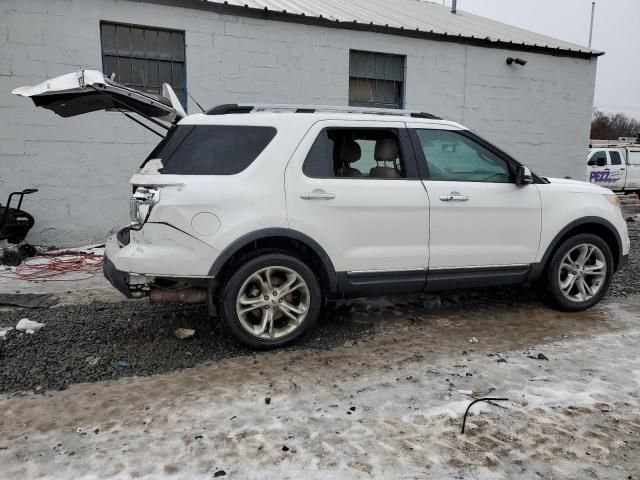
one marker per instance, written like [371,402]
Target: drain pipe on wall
[593,13]
[454,6]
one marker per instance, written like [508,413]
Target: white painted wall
[539,113]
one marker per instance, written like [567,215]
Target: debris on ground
[92,361]
[28,326]
[122,363]
[540,356]
[473,340]
[466,392]
[484,399]
[184,333]
[4,331]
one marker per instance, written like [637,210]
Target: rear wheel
[580,272]
[270,301]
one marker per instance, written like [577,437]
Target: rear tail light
[141,203]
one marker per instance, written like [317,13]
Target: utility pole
[593,12]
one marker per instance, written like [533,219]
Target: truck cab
[615,166]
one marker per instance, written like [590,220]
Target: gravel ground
[627,281]
[101,341]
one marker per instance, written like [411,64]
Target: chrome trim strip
[349,272]
[435,269]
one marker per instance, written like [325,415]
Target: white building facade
[539,112]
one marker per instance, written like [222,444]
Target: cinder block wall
[539,113]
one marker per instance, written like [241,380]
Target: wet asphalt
[102,341]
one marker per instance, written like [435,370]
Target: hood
[579,186]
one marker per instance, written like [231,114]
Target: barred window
[376,79]
[144,57]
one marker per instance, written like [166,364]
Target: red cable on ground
[57,264]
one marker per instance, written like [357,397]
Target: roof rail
[264,107]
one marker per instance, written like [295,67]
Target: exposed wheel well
[597,229]
[292,246]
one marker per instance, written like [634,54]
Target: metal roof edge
[222,7]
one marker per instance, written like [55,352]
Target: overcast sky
[616,31]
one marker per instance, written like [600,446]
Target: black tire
[228,296]
[553,290]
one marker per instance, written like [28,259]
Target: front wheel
[270,301]
[580,272]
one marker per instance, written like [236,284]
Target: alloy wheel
[582,273]
[273,302]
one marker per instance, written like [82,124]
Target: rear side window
[616,159]
[211,149]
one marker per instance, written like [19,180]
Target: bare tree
[611,126]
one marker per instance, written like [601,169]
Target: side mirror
[523,176]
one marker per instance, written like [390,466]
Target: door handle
[622,169]
[317,195]
[454,197]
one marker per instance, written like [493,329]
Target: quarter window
[211,149]
[376,79]
[616,159]
[454,157]
[144,58]
[355,153]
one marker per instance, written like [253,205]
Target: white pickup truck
[616,167]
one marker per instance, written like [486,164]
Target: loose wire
[56,265]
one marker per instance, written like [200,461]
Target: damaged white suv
[266,211]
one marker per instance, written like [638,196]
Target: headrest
[386,149]
[350,152]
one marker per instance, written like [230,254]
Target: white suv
[266,211]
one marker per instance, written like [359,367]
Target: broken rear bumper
[135,258]
[119,279]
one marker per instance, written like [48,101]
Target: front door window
[451,156]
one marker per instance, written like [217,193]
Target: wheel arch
[288,240]
[593,225]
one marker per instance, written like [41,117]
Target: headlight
[613,199]
[140,205]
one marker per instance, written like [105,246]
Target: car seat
[386,150]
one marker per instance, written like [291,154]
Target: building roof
[416,18]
